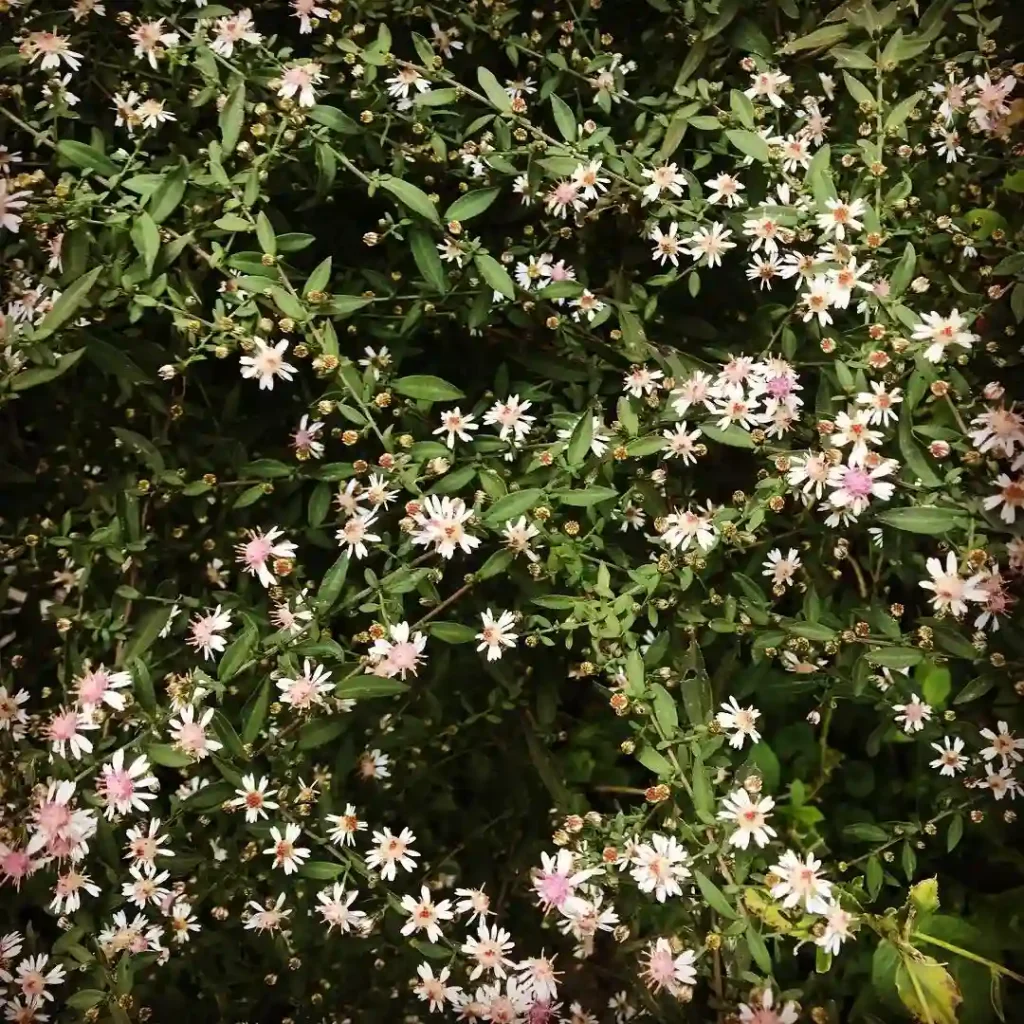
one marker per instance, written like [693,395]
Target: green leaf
[142,685]
[904,271]
[586,497]
[749,143]
[819,176]
[955,833]
[256,714]
[564,118]
[334,119]
[936,685]
[37,375]
[471,205]
[703,795]
[714,896]
[496,564]
[1015,181]
[141,447]
[895,657]
[427,388]
[579,442]
[146,239]
[331,584]
[758,950]
[654,761]
[85,998]
[974,689]
[733,436]
[237,653]
[493,90]
[512,506]
[71,299]
[494,274]
[901,111]
[168,756]
[927,989]
[928,519]
[827,35]
[665,709]
[913,456]
[267,469]
[230,118]
[146,634]
[232,222]
[430,950]
[743,108]
[87,157]
[451,632]
[319,279]
[364,687]
[415,198]
[860,92]
[265,234]
[324,870]
[165,198]
[320,732]
[866,832]
[428,262]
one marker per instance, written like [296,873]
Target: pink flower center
[554,889]
[64,726]
[257,551]
[120,786]
[93,686]
[857,482]
[52,817]
[192,737]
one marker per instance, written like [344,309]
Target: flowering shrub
[511,514]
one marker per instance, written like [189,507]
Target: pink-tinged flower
[182,922]
[151,41]
[399,655]
[496,634]
[254,797]
[679,443]
[853,487]
[137,937]
[1003,744]
[664,970]
[238,28]
[52,48]
[33,978]
[710,245]
[820,295]
[666,178]
[16,865]
[588,305]
[344,826]
[556,880]
[100,686]
[564,197]
[152,113]
[391,852]
[267,919]
[912,715]
[881,402]
[761,1010]
[354,534]
[988,105]
[145,845]
[841,217]
[951,758]
[334,905]
[741,722]
[205,629]
[124,790]
[145,889]
[765,85]
[372,764]
[64,733]
[305,10]
[683,528]
[942,331]
[435,990]
[998,430]
[490,950]
[284,851]
[10,203]
[266,363]
[299,80]
[749,818]
[667,244]
[800,883]
[59,828]
[442,522]
[725,188]
[951,591]
[641,381]
[305,439]
[511,417]
[660,866]
[13,717]
[189,733]
[765,231]
[455,424]
[695,390]
[425,915]
[67,892]
[259,549]
[307,689]
[1009,498]
[854,430]
[837,928]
